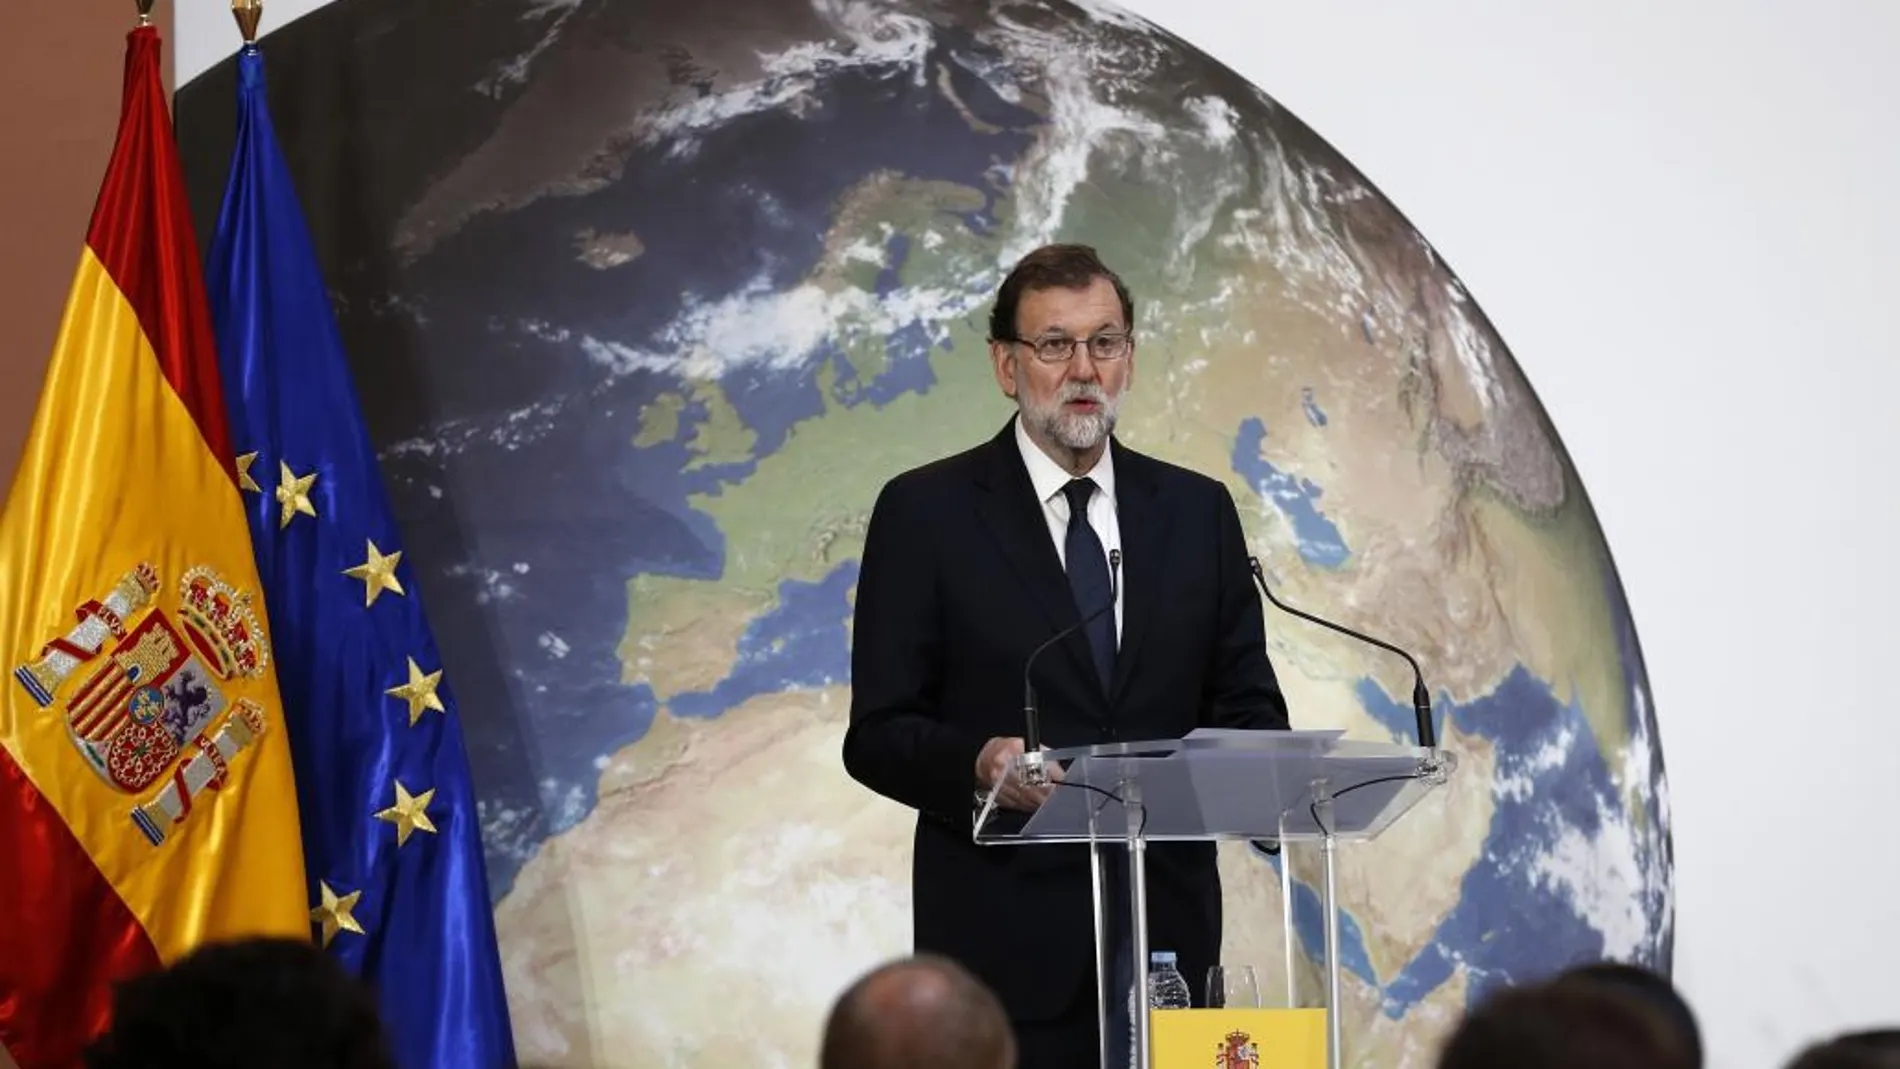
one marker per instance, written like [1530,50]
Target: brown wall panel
[61,69]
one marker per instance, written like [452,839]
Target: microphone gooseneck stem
[1421,697]
[1032,717]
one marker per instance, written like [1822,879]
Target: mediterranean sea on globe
[645,301]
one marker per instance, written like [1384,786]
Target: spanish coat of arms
[1237,1051]
[142,690]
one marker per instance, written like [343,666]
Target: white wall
[205,33]
[1684,219]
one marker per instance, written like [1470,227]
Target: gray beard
[1070,431]
[1077,432]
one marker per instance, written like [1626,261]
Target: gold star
[293,493]
[419,692]
[333,913]
[245,482]
[378,574]
[409,813]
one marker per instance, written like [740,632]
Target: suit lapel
[1014,517]
[1145,529]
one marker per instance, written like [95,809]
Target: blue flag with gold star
[392,844]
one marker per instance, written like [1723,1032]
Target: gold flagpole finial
[145,12]
[247,13]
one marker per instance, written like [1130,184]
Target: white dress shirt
[1049,478]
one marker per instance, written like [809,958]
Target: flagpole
[247,13]
[145,12]
[396,876]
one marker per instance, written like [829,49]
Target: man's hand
[996,764]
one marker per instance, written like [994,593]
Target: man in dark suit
[973,561]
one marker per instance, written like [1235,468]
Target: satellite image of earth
[645,301]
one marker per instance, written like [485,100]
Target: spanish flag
[146,794]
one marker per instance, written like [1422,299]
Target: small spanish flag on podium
[1238,1039]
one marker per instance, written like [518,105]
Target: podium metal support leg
[1291,941]
[1104,957]
[1138,894]
[1137,818]
[1327,848]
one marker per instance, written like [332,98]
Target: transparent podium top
[1221,784]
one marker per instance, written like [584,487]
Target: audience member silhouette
[1856,1050]
[276,1002]
[1565,1026]
[1652,989]
[922,1012]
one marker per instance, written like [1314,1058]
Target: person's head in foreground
[1856,1050]
[922,1012]
[277,1002]
[1651,988]
[1565,1026]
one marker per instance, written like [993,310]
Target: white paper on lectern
[1280,737]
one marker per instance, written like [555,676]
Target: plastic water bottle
[1167,988]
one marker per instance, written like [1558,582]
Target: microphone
[1035,773]
[1421,698]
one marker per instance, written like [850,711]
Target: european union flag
[392,844]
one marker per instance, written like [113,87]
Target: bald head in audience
[922,1012]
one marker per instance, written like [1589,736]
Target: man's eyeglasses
[1103,347]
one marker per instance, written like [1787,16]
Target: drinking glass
[1232,987]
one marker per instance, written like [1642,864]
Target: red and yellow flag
[146,799]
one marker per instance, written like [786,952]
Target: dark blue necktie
[1088,577]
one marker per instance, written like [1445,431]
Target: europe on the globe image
[660,295]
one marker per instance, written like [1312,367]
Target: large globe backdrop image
[646,301]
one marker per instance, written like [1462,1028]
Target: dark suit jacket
[960,581]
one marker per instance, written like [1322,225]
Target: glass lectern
[1286,787]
